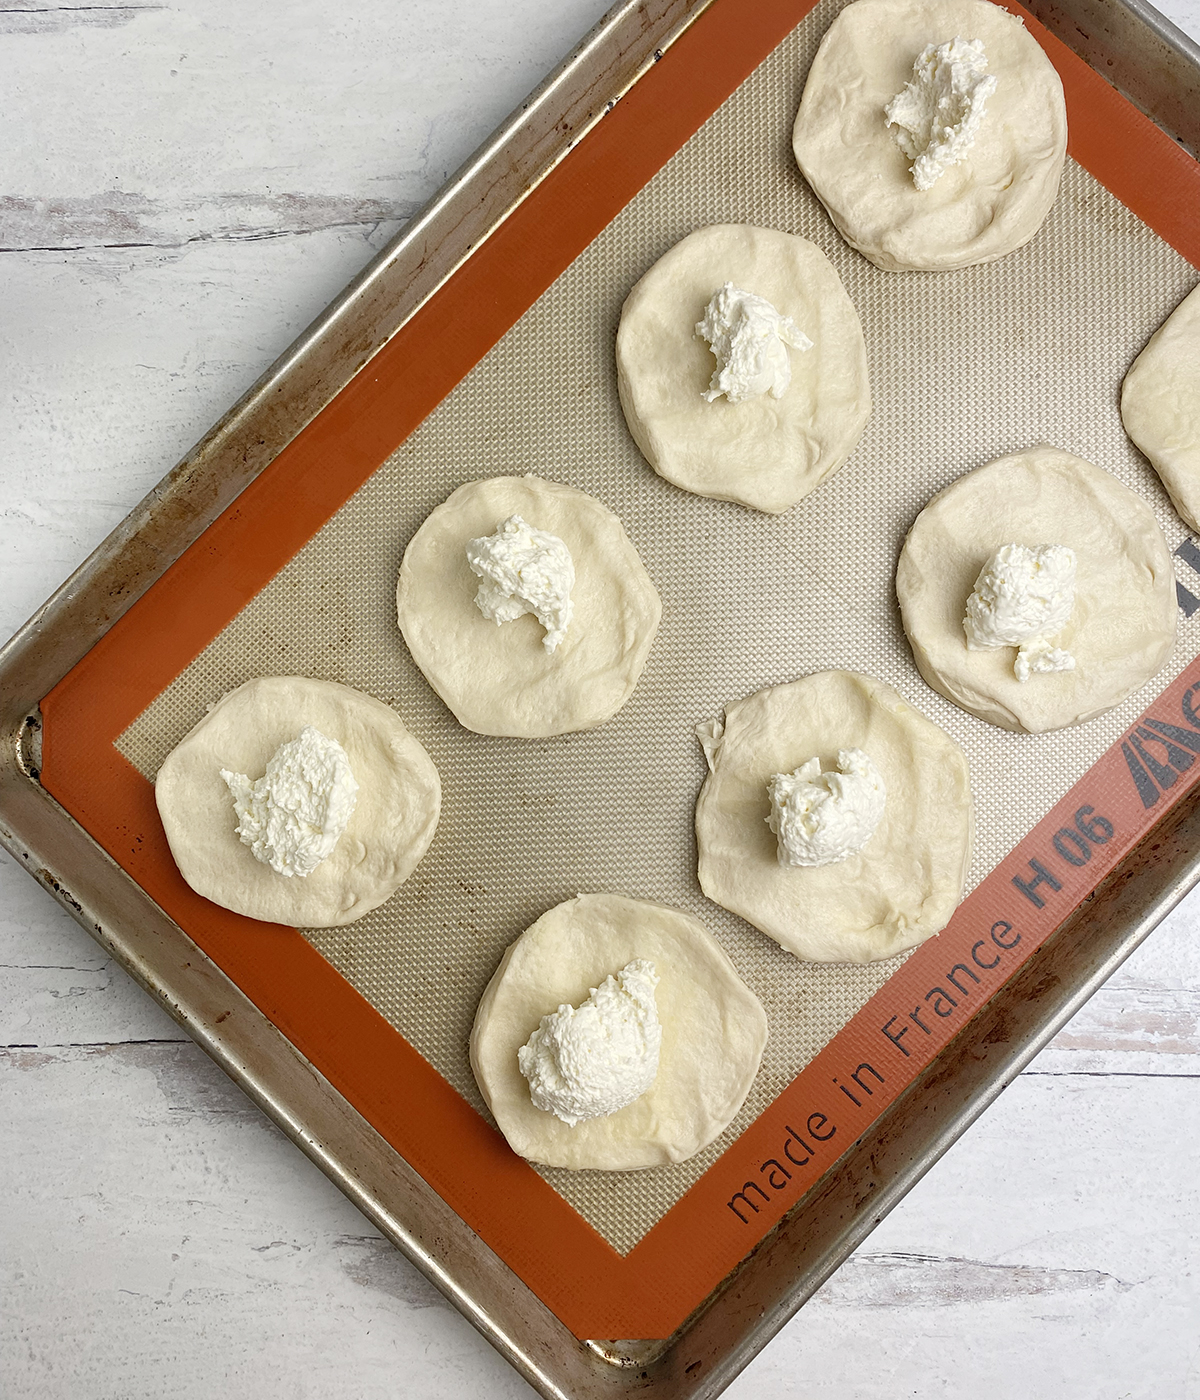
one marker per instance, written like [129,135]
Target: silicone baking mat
[965,366]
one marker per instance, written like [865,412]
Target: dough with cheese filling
[499,678]
[764,452]
[1122,626]
[395,815]
[906,881]
[713,1033]
[977,211]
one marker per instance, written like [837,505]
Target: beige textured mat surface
[965,366]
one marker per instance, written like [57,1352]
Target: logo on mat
[1157,753]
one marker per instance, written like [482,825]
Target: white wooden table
[185,185]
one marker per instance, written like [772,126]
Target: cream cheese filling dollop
[938,114]
[1022,598]
[590,1060]
[292,817]
[823,817]
[524,571]
[750,340]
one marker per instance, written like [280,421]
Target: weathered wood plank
[57,986]
[175,1241]
[117,360]
[1075,1191]
[119,220]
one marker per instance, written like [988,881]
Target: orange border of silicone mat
[591,1288]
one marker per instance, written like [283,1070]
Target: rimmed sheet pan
[340,1152]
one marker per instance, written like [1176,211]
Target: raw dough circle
[713,1033]
[498,678]
[396,814]
[1122,627]
[1160,405]
[903,885]
[977,211]
[765,452]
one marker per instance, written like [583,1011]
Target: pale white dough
[395,815]
[1122,626]
[907,880]
[501,679]
[713,1032]
[993,201]
[763,452]
[1160,405]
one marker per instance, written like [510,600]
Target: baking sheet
[965,366]
[317,1010]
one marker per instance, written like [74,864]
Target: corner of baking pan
[826,1225]
[323,359]
[1140,52]
[289,395]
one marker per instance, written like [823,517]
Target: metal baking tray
[1159,69]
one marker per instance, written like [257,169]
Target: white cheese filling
[292,817]
[1022,598]
[1038,657]
[524,571]
[823,817]
[938,115]
[591,1060]
[750,340]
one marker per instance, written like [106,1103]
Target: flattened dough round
[1122,627]
[765,452]
[396,814]
[1160,405]
[977,211]
[713,1033]
[499,679]
[903,885]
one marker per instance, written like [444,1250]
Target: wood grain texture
[185,186]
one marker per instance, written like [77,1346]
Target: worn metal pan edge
[1158,68]
[1141,53]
